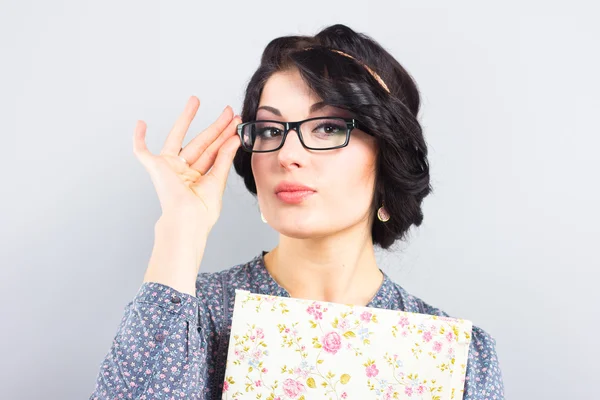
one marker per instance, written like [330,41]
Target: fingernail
[226,107]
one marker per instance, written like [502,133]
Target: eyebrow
[315,107]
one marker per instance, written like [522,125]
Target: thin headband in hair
[373,73]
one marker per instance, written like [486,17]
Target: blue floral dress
[170,345]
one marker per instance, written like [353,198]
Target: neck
[340,269]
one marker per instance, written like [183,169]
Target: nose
[292,152]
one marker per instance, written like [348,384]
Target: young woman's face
[342,179]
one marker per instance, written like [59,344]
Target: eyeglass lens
[322,133]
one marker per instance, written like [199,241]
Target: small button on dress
[159,337]
[176,299]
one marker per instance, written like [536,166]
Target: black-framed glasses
[319,133]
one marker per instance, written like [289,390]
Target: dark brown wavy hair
[402,169]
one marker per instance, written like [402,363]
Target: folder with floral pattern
[285,348]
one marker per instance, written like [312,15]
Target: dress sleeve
[159,350]
[484,378]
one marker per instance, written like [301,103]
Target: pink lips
[293,193]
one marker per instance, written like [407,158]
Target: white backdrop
[510,112]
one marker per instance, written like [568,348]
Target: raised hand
[190,181]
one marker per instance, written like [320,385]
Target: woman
[340,167]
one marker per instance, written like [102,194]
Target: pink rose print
[303,373]
[332,342]
[239,354]
[257,354]
[292,388]
[372,371]
[427,337]
[421,389]
[437,346]
[449,336]
[389,392]
[409,391]
[366,316]
[344,395]
[225,386]
[260,333]
[343,325]
[258,383]
[314,311]
[403,322]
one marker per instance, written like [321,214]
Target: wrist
[177,254]
[187,228]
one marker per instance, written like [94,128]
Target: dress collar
[266,284]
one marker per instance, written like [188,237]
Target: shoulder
[411,303]
[483,378]
[215,290]
[238,276]
[406,301]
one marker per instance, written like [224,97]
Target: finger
[175,139]
[139,142]
[190,176]
[220,169]
[207,158]
[194,149]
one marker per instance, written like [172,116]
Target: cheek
[359,165]
[258,166]
[262,170]
[351,177]
[363,178]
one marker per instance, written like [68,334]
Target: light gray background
[510,112]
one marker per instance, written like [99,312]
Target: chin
[297,225]
[297,234]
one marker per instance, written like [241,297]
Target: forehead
[287,92]
[287,85]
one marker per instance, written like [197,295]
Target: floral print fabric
[285,348]
[170,345]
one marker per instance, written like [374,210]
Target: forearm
[177,254]
[157,348]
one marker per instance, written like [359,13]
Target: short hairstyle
[402,169]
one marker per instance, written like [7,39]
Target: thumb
[139,143]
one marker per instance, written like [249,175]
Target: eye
[329,128]
[268,131]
